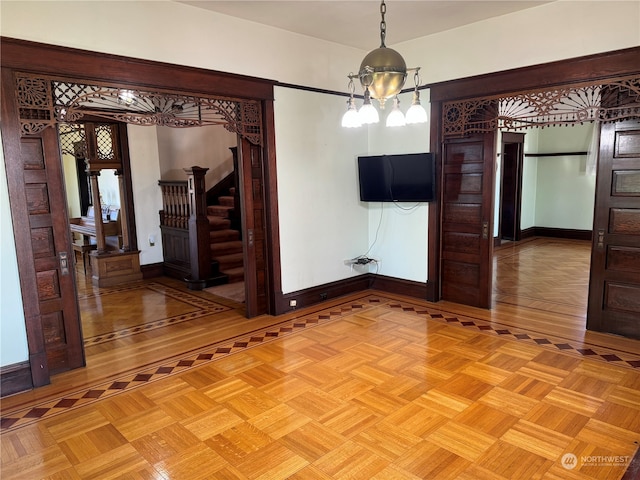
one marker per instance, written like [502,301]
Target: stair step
[219,210]
[227,201]
[224,235]
[218,223]
[232,191]
[227,262]
[235,274]
[225,248]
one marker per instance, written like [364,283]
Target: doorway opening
[545,194]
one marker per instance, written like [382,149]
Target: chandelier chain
[383,24]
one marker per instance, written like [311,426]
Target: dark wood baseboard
[15,378]
[321,293]
[152,270]
[399,286]
[556,233]
[313,295]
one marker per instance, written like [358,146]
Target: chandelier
[382,74]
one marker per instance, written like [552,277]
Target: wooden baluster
[185,207]
[174,213]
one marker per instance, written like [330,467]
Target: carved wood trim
[607,100]
[43,101]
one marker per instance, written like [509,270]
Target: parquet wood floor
[370,386]
[543,273]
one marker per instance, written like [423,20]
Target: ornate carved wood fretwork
[605,101]
[45,101]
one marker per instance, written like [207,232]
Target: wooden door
[43,243]
[467,211]
[253,228]
[614,284]
[511,185]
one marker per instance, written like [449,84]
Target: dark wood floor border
[568,233]
[15,378]
[314,295]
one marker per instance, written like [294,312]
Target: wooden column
[97,212]
[199,243]
[124,216]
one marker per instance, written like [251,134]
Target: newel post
[199,250]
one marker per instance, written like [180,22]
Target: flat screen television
[406,177]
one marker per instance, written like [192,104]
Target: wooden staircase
[225,241]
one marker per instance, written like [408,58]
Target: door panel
[254,234]
[467,205]
[43,245]
[50,243]
[614,286]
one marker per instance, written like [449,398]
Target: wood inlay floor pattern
[373,388]
[204,307]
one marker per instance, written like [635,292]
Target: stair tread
[234,270]
[229,256]
[219,210]
[224,235]
[226,201]
[218,223]
[225,248]
[230,243]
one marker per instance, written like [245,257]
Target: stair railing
[185,228]
[175,204]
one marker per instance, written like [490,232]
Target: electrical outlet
[293,303]
[323,296]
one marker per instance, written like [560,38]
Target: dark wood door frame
[619,63]
[512,156]
[123,72]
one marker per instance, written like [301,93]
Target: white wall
[565,192]
[553,31]
[176,33]
[206,147]
[70,171]
[109,187]
[147,198]
[400,243]
[529,180]
[13,336]
[557,191]
[322,221]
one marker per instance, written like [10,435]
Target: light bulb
[351,118]
[395,117]
[416,112]
[369,114]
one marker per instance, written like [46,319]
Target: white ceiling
[357,23]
